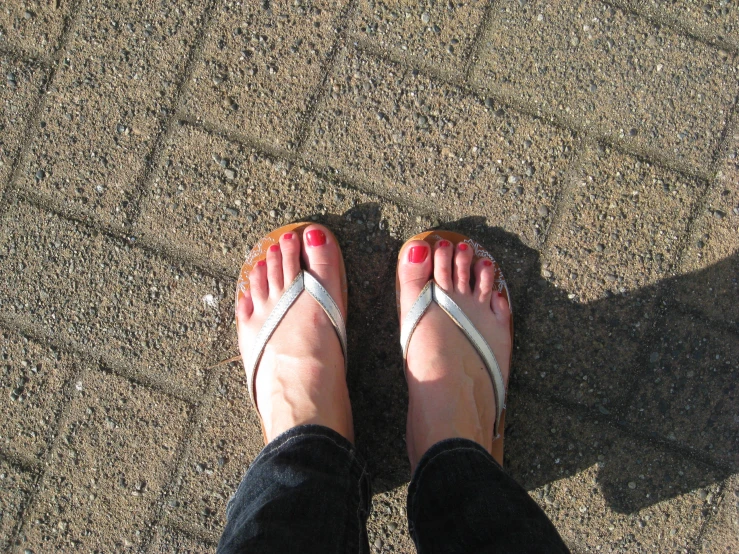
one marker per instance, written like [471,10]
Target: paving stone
[118,448]
[33,381]
[722,533]
[601,488]
[15,486]
[106,106]
[227,441]
[34,26]
[457,154]
[688,394]
[711,259]
[607,69]
[718,20]
[20,84]
[194,204]
[387,523]
[260,67]
[128,305]
[438,35]
[169,541]
[615,242]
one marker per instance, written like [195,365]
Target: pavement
[145,145]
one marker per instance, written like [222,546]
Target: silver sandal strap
[303,281]
[433,293]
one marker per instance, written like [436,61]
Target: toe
[443,254]
[462,263]
[321,256]
[290,248]
[244,307]
[484,279]
[258,282]
[500,306]
[414,271]
[274,269]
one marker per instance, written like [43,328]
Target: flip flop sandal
[433,293]
[303,282]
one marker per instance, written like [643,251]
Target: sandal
[303,282]
[432,293]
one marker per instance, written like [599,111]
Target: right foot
[301,375]
[449,388]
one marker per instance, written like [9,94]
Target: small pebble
[378,543]
[232,212]
[632,485]
[489,103]
[611,277]
[542,210]
[272,213]
[40,174]
[425,17]
[230,174]
[654,357]
[422,120]
[546,273]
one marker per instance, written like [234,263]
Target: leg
[306,491]
[460,500]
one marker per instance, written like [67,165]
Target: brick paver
[33,26]
[133,308]
[15,485]
[437,35]
[439,147]
[119,442]
[107,103]
[603,68]
[590,145]
[260,66]
[600,488]
[18,93]
[688,394]
[35,380]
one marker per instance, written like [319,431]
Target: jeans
[308,491]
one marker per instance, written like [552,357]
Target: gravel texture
[602,67]
[260,67]
[34,381]
[35,26]
[20,85]
[106,106]
[137,310]
[14,488]
[437,35]
[118,445]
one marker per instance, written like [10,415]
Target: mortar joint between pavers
[151,161]
[341,23]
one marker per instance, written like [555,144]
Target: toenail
[275,248]
[287,236]
[500,294]
[316,237]
[487,263]
[417,254]
[261,263]
[462,247]
[444,243]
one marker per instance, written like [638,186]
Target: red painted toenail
[462,246]
[261,263]
[487,263]
[316,238]
[417,254]
[287,236]
[500,294]
[444,243]
[274,248]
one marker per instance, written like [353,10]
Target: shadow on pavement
[583,377]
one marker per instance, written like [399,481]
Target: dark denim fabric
[308,491]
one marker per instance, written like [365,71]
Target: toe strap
[303,281]
[433,293]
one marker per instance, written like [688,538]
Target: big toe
[322,259]
[415,264]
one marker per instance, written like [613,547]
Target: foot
[449,388]
[301,377]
